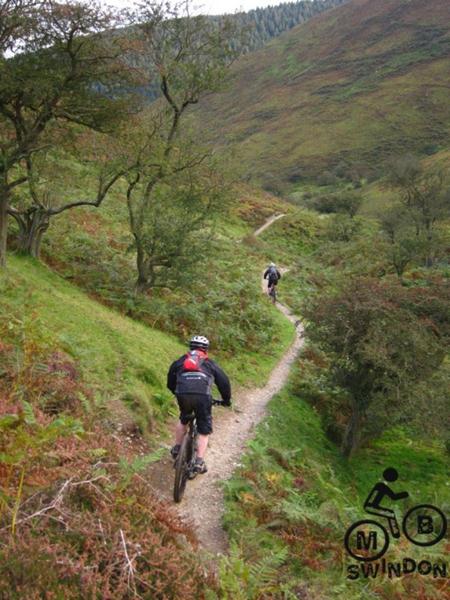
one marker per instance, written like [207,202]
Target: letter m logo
[366,541]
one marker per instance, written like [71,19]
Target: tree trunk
[37,224]
[32,226]
[142,278]
[3,226]
[429,258]
[352,433]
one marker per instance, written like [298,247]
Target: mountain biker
[272,274]
[191,383]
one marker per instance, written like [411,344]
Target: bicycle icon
[368,540]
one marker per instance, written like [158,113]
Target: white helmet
[199,342]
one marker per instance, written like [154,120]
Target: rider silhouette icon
[381,490]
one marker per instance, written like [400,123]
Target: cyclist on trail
[379,491]
[273,275]
[191,378]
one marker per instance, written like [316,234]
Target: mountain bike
[273,293]
[185,461]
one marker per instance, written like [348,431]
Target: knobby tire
[181,468]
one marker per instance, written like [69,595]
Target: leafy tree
[176,226]
[48,196]
[62,69]
[403,245]
[14,18]
[342,228]
[347,202]
[189,58]
[425,195]
[382,340]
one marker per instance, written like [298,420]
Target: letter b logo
[424,524]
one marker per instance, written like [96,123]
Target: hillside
[343,92]
[339,388]
[254,28]
[263,24]
[292,495]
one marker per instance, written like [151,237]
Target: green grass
[293,481]
[113,352]
[116,355]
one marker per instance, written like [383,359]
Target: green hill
[343,92]
[83,359]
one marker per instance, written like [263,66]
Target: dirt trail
[203,500]
[268,223]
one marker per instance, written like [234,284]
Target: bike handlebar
[219,402]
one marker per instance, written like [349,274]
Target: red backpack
[194,360]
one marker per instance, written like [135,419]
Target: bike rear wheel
[273,294]
[182,468]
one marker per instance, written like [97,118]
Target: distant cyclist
[273,275]
[191,378]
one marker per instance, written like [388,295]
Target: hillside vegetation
[342,92]
[83,407]
[124,231]
[263,24]
[291,500]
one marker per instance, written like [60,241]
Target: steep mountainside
[347,90]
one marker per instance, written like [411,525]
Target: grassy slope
[357,84]
[115,355]
[118,356]
[111,350]
[294,497]
[290,503]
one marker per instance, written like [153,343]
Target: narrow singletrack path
[268,223]
[203,503]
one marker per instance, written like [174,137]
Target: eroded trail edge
[203,503]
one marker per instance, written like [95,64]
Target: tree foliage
[382,340]
[188,58]
[347,202]
[63,69]
[425,202]
[176,226]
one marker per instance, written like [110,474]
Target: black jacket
[270,274]
[213,372]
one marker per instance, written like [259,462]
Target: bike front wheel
[182,468]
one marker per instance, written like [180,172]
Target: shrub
[382,340]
